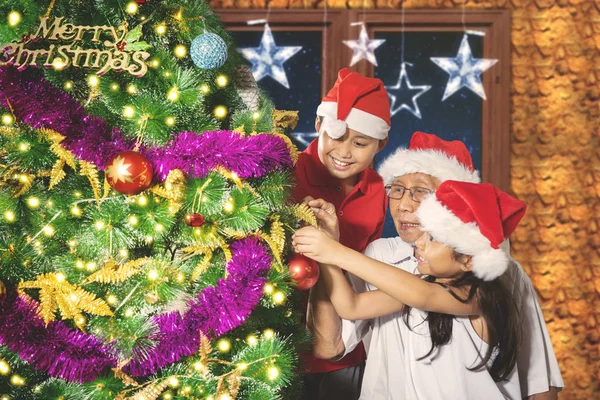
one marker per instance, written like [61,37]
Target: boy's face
[403,210]
[349,155]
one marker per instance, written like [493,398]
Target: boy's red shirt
[361,214]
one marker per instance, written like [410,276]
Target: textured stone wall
[555,163]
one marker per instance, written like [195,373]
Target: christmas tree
[144,192]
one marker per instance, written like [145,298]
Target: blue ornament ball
[209,51]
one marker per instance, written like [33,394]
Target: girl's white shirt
[394,370]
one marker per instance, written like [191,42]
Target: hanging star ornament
[363,47]
[397,93]
[267,59]
[464,70]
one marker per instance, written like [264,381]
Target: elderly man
[414,173]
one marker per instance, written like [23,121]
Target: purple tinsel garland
[79,357]
[56,349]
[39,104]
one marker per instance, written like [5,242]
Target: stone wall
[555,163]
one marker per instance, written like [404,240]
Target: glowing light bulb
[33,202]
[159,227]
[58,64]
[273,373]
[152,275]
[112,299]
[142,200]
[224,345]
[133,220]
[170,121]
[24,146]
[7,119]
[60,277]
[9,216]
[114,86]
[220,112]
[243,366]
[205,88]
[180,51]
[99,225]
[269,333]
[256,115]
[14,17]
[173,94]
[93,80]
[129,312]
[228,207]
[123,253]
[76,211]
[173,382]
[160,29]
[252,340]
[128,112]
[222,81]
[180,277]
[131,7]
[49,231]
[155,63]
[17,380]
[131,89]
[91,266]
[68,85]
[79,264]
[4,367]
[279,298]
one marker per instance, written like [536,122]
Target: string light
[132,7]
[49,231]
[155,63]
[112,299]
[224,345]
[114,86]
[173,94]
[152,274]
[205,88]
[167,396]
[24,146]
[160,29]
[225,396]
[16,380]
[9,216]
[76,211]
[222,81]
[58,63]
[79,264]
[91,266]
[173,382]
[129,313]
[220,112]
[268,289]
[269,333]
[255,115]
[4,367]
[7,119]
[180,277]
[180,51]
[68,85]
[14,17]
[242,366]
[128,112]
[133,220]
[273,373]
[278,298]
[60,277]
[142,200]
[123,253]
[93,80]
[50,203]
[99,224]
[159,227]
[170,121]
[131,89]
[252,340]
[33,202]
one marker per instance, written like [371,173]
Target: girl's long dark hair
[499,311]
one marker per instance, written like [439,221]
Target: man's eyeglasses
[416,193]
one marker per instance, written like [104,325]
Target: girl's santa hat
[431,155]
[474,219]
[358,103]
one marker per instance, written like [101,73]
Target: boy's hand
[315,244]
[326,217]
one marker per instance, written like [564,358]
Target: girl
[451,333]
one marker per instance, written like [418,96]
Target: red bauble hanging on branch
[304,271]
[129,172]
[141,1]
[194,220]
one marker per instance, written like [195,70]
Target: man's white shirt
[394,371]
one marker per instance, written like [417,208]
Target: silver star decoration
[267,59]
[464,70]
[363,47]
[402,86]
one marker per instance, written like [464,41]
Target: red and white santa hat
[358,103]
[429,154]
[474,219]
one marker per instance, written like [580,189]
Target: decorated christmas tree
[145,208]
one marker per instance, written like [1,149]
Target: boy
[353,122]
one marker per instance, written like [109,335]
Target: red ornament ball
[194,219]
[304,271]
[129,172]
[141,1]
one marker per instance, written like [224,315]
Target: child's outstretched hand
[315,244]
[326,217]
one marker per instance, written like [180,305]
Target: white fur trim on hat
[359,120]
[466,238]
[430,162]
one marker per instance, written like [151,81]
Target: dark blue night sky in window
[303,72]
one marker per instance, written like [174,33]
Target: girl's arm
[406,288]
[351,305]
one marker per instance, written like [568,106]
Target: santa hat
[358,103]
[474,219]
[428,154]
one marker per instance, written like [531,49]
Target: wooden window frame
[495,126]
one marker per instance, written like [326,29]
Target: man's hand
[326,217]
